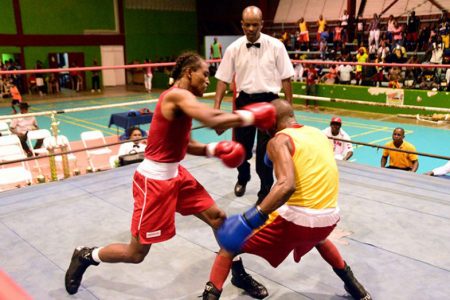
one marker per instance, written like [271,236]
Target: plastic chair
[4,128]
[11,149]
[60,140]
[94,138]
[34,135]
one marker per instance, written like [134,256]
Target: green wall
[32,54]
[66,17]
[7,20]
[411,97]
[157,34]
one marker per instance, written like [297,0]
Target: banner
[395,97]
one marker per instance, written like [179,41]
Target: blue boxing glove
[235,229]
[267,161]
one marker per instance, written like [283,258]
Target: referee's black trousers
[246,136]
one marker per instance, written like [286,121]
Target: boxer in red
[161,186]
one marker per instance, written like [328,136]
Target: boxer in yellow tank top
[299,212]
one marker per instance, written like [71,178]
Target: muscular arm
[279,150]
[196,148]
[220,92]
[182,100]
[287,87]
[415,166]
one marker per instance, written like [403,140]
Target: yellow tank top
[316,173]
[321,25]
[303,27]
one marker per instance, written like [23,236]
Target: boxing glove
[231,153]
[262,115]
[236,229]
[267,161]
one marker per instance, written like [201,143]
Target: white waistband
[308,217]
[158,170]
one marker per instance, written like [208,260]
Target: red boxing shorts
[275,240]
[156,201]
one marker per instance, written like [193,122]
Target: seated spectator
[383,51]
[330,77]
[410,80]
[342,150]
[400,160]
[440,171]
[134,134]
[437,51]
[395,77]
[21,126]
[378,78]
[428,80]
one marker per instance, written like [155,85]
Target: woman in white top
[134,134]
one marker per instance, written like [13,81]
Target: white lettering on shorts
[152,234]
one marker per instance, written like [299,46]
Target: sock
[219,271]
[331,254]
[95,256]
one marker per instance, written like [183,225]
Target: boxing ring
[393,232]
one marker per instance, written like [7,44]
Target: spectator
[400,160]
[311,86]
[323,49]
[345,73]
[338,40]
[321,25]
[303,38]
[440,171]
[342,150]
[397,34]
[330,77]
[360,29]
[16,98]
[395,77]
[344,25]
[95,78]
[148,76]
[437,51]
[390,28]
[374,30]
[361,57]
[383,51]
[412,31]
[21,126]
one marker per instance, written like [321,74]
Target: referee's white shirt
[258,70]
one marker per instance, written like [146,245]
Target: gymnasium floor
[368,128]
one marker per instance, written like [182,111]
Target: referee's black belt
[258,95]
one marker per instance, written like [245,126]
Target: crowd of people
[393,40]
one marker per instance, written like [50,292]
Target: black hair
[184,61]
[130,130]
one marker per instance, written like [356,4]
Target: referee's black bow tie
[257,45]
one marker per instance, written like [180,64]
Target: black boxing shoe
[351,284]
[211,292]
[245,281]
[239,189]
[81,260]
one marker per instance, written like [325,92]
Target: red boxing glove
[261,115]
[231,153]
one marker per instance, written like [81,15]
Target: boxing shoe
[81,260]
[241,279]
[351,284]
[211,292]
[239,189]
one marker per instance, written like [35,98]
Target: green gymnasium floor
[426,139]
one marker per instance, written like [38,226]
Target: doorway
[113,56]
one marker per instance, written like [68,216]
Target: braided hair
[184,61]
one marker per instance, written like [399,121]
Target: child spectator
[16,98]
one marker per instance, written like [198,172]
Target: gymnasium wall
[156,34]
[7,20]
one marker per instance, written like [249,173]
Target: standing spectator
[303,38]
[344,25]
[16,98]
[215,52]
[148,76]
[262,66]
[321,25]
[400,160]
[424,37]
[323,49]
[397,34]
[374,30]
[311,85]
[40,82]
[21,126]
[390,28]
[359,30]
[383,51]
[337,38]
[412,31]
[95,78]
[361,57]
[342,150]
[345,73]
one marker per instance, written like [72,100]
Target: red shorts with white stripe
[275,240]
[156,201]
